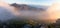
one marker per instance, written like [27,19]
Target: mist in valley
[13,13]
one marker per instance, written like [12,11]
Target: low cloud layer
[10,12]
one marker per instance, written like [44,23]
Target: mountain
[29,7]
[9,11]
[35,12]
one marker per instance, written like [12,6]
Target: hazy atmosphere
[29,13]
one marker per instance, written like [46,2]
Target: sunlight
[54,11]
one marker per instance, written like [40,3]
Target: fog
[5,13]
[54,11]
[8,12]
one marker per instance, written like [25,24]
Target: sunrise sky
[35,2]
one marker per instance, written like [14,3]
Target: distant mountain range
[29,7]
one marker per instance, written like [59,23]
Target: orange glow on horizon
[54,11]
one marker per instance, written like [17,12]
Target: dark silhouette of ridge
[28,7]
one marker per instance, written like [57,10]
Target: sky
[35,2]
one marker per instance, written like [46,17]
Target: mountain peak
[28,7]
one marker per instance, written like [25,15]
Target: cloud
[57,1]
[35,2]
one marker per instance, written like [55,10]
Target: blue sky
[35,2]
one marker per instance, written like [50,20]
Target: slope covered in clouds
[39,14]
[10,11]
